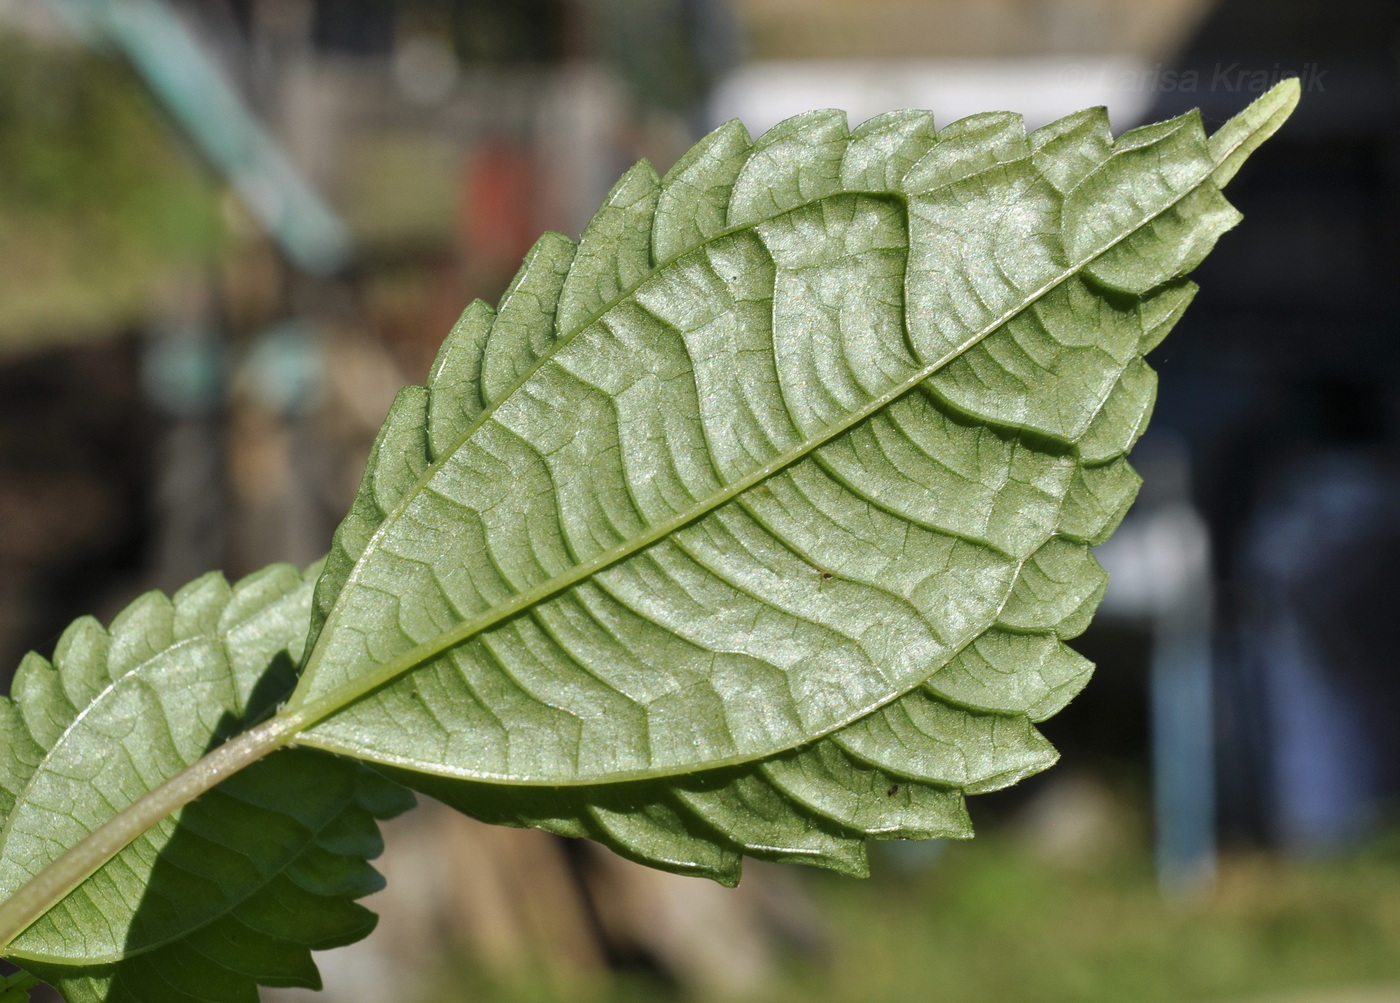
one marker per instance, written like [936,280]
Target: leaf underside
[235,890]
[752,524]
[755,522]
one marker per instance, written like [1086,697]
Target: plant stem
[43,891]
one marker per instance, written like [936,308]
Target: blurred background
[231,229]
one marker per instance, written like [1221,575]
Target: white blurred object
[1159,568]
[1041,88]
[425,69]
[1155,561]
[1074,821]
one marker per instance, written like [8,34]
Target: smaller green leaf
[237,888]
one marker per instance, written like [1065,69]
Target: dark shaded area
[1103,725]
[1285,381]
[355,27]
[74,468]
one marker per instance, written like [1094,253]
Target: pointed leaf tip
[1234,141]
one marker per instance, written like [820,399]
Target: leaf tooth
[1056,590]
[1186,128]
[20,754]
[401,450]
[1159,312]
[1004,672]
[656,833]
[351,834]
[753,814]
[200,605]
[321,872]
[695,192]
[1069,149]
[614,254]
[254,592]
[927,739]
[795,162]
[525,325]
[883,148]
[255,955]
[825,780]
[286,911]
[1122,418]
[1099,497]
[139,632]
[80,658]
[454,381]
[38,693]
[396,459]
[967,147]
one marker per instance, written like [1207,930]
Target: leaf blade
[663,552]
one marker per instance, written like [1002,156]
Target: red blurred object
[496,221]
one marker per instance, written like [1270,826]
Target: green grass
[991,922]
[994,920]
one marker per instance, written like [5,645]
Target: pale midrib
[193,928]
[218,636]
[302,714]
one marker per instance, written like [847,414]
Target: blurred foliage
[97,200]
[993,920]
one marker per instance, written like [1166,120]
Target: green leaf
[234,890]
[755,523]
